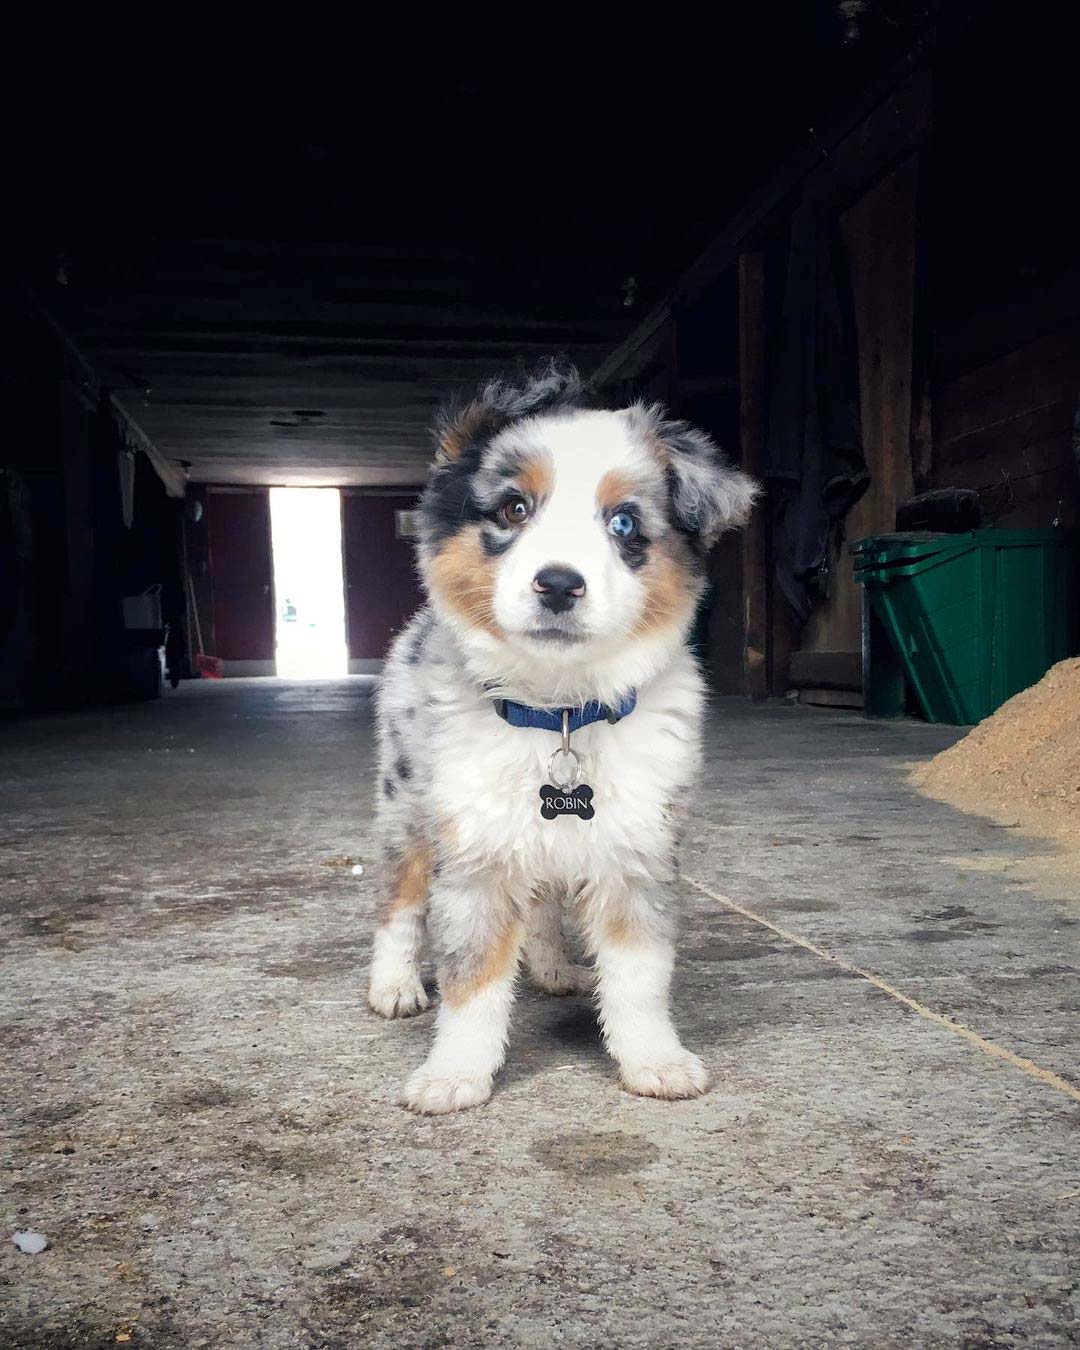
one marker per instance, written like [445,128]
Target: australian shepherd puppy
[539,726]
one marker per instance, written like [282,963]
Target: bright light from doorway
[309,592]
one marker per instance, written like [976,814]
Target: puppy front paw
[431,1092]
[402,996]
[672,1078]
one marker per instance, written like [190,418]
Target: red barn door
[381,588]
[242,576]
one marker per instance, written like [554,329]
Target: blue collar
[550,719]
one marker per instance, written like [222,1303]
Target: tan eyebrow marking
[614,488]
[535,477]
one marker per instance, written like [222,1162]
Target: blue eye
[622,525]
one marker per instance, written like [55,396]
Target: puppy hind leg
[546,956]
[395,988]
[481,941]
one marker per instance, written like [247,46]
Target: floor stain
[728,951]
[320,962]
[805,905]
[949,912]
[203,1097]
[931,935]
[585,1153]
[55,1114]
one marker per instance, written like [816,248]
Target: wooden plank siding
[755,561]
[879,231]
[1005,429]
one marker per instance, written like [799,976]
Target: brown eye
[515,511]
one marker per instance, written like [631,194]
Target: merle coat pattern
[562,551]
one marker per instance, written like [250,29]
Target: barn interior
[232,308]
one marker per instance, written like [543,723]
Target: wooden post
[673,398]
[752,448]
[922,450]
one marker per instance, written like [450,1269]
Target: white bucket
[143,611]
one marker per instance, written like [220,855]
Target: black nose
[559,588]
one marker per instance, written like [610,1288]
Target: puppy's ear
[553,386]
[708,493]
[456,427]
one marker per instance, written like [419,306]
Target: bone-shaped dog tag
[567,797]
[566,801]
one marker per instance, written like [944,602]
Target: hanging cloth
[814,454]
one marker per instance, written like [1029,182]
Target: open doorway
[309,592]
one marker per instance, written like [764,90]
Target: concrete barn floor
[202,1117]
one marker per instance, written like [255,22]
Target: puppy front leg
[394,985]
[479,938]
[635,955]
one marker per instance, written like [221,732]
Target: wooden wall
[879,231]
[1005,429]
[1004,259]
[956,208]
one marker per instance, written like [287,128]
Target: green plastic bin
[970,619]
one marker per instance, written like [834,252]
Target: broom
[209,667]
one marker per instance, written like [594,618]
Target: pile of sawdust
[1022,765]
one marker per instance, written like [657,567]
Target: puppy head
[554,527]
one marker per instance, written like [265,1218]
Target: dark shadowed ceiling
[280,266]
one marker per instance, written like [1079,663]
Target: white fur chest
[486,778]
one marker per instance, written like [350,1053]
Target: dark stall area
[243,283]
[888,330]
